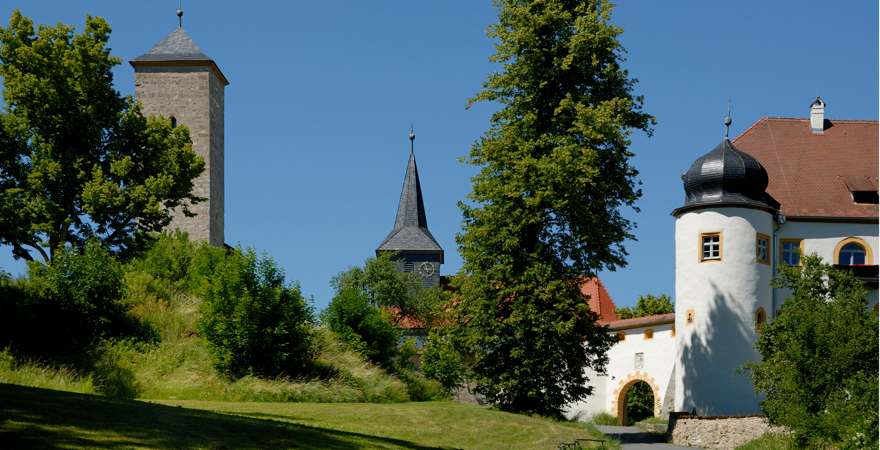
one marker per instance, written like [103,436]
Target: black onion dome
[726,176]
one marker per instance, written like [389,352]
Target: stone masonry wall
[194,97]
[718,432]
[218,183]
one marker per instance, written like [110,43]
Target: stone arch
[618,399]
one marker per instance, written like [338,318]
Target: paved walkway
[632,438]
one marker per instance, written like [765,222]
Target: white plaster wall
[821,238]
[659,359]
[585,409]
[724,296]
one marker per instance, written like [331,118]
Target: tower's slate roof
[177,46]
[177,49]
[410,231]
[726,176]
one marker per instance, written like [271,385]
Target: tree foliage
[819,359]
[254,322]
[364,326]
[65,307]
[78,161]
[383,286]
[546,206]
[647,305]
[639,403]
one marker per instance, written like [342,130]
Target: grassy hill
[41,418]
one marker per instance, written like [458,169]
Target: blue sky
[322,95]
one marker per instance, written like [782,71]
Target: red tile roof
[635,322]
[599,300]
[812,175]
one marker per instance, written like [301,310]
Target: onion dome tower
[410,242]
[723,251]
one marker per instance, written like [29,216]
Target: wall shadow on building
[714,380]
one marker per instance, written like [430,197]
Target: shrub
[441,361]
[820,356]
[366,328]
[254,323]
[604,418]
[420,389]
[68,305]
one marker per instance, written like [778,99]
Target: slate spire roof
[177,49]
[410,231]
[177,46]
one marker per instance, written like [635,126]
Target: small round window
[852,254]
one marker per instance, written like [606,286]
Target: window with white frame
[710,247]
[762,248]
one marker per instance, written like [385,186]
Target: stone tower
[176,80]
[413,246]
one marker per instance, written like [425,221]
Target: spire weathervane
[180,14]
[727,121]
[412,139]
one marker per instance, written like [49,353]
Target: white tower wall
[723,297]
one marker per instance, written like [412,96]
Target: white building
[784,188]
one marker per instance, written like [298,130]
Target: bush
[604,418]
[68,305]
[254,323]
[820,357]
[421,389]
[441,361]
[366,328]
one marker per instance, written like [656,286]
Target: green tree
[647,305]
[254,322]
[384,286]
[79,161]
[546,205]
[364,326]
[819,359]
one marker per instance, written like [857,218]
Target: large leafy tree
[819,359]
[77,159]
[546,205]
[647,305]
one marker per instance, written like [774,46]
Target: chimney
[817,116]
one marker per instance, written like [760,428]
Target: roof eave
[144,61]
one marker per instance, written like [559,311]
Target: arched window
[649,334]
[173,122]
[760,319]
[851,254]
[853,251]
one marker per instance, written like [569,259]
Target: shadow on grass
[42,418]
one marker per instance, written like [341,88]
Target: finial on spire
[412,138]
[180,14]
[727,121]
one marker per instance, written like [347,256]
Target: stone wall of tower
[194,96]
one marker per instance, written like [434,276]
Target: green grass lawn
[41,418]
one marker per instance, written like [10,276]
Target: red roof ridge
[750,128]
[635,322]
[797,119]
[807,119]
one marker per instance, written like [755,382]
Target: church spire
[410,231]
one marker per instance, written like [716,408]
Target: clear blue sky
[322,95]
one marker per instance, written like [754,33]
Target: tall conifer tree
[545,209]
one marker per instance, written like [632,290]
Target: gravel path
[632,438]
